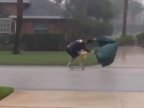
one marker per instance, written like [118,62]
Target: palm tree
[125,11]
[16,49]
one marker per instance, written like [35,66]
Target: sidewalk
[72,99]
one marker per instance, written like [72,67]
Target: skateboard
[76,67]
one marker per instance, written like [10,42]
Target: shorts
[72,53]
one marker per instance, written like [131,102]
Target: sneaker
[69,65]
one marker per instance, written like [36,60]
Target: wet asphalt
[125,74]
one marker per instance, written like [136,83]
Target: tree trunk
[125,11]
[16,46]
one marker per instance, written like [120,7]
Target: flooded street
[129,57]
[125,74]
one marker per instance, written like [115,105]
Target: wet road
[129,57]
[61,78]
[125,74]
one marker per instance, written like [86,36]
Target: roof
[42,9]
[13,1]
[39,17]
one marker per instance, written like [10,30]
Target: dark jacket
[77,46]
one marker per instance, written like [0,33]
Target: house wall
[56,26]
[53,26]
[9,8]
[28,26]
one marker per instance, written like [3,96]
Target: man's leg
[82,62]
[71,57]
[70,62]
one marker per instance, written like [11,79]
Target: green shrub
[42,42]
[5,91]
[140,39]
[126,40]
[5,42]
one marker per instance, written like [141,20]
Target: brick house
[38,16]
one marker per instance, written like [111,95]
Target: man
[74,49]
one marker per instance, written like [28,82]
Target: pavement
[119,85]
[73,99]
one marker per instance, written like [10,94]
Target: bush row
[126,40]
[140,39]
[37,42]
[43,42]
[56,42]
[132,40]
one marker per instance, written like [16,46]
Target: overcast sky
[142,1]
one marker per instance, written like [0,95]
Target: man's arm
[85,48]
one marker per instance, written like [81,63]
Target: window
[3,14]
[40,27]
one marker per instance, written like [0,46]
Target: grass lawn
[41,58]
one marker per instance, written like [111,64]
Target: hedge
[126,40]
[38,42]
[43,42]
[5,42]
[35,42]
[140,39]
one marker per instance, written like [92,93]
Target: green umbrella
[106,54]
[104,41]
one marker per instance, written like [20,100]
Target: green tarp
[107,51]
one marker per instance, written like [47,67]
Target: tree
[16,49]
[90,14]
[58,1]
[135,7]
[131,9]
[125,10]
